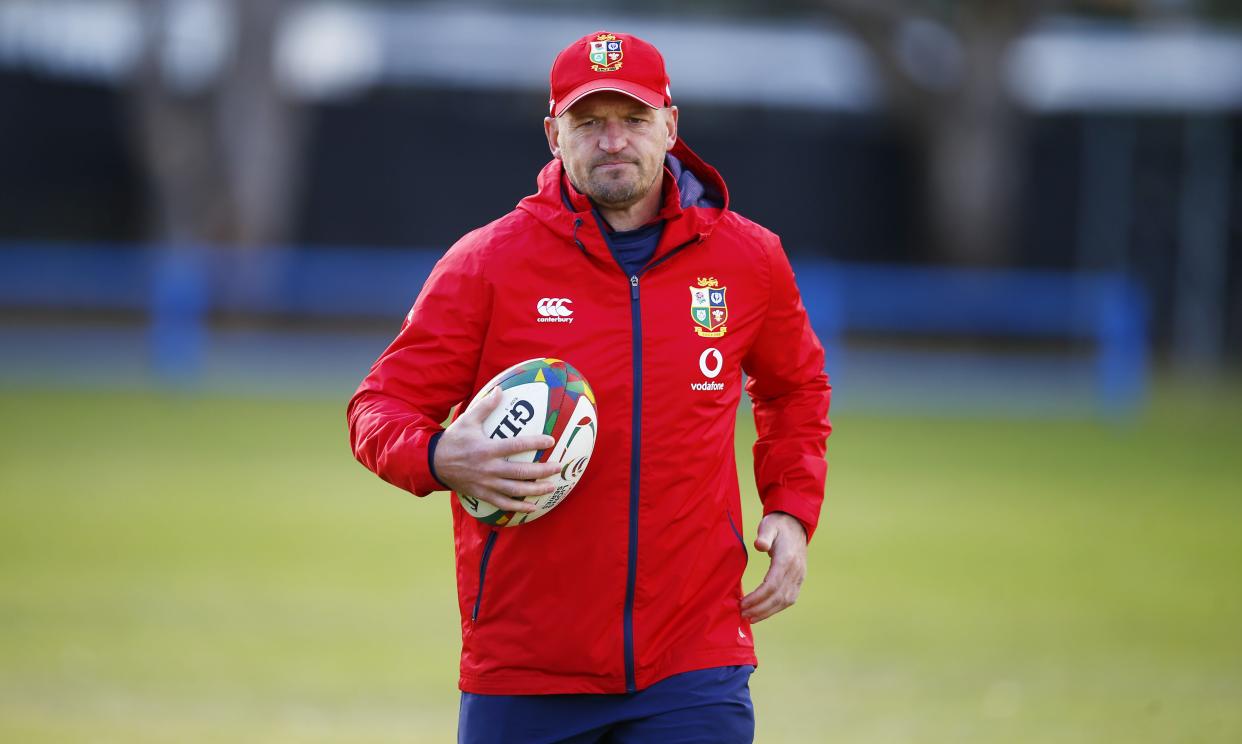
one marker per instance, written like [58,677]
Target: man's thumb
[763,540]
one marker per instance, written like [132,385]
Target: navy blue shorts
[711,706]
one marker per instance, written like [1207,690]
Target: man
[619,615]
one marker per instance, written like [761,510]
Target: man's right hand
[471,464]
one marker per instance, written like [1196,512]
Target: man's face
[612,146]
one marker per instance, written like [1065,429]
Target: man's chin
[613,198]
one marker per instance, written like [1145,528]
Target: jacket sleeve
[431,366]
[790,394]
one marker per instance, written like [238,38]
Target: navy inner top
[632,248]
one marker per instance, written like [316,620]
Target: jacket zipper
[487,554]
[636,434]
[631,576]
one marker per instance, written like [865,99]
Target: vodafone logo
[711,361]
[554,310]
[712,357]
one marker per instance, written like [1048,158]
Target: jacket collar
[695,198]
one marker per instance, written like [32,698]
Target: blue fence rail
[177,290]
[1108,311]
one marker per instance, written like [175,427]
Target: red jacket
[637,575]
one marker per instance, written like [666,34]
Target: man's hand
[784,539]
[470,463]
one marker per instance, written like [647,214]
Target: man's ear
[552,132]
[670,121]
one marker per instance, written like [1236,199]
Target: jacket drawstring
[578,224]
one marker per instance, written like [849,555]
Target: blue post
[179,299]
[1121,325]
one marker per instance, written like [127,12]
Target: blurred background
[1017,227]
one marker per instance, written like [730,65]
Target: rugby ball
[540,396]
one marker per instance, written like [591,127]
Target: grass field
[218,569]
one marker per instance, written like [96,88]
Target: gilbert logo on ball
[540,396]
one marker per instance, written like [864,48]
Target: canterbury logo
[555,310]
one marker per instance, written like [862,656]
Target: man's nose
[613,137]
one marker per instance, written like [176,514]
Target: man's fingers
[525,443]
[760,595]
[766,606]
[769,586]
[519,489]
[766,609]
[769,598]
[778,590]
[503,502]
[523,471]
[512,483]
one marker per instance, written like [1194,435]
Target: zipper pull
[634,287]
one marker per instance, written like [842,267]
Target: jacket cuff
[420,477]
[795,505]
[431,458]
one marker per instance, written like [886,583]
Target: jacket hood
[695,199]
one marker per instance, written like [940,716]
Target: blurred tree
[943,64]
[220,148]
[943,67]
[1222,10]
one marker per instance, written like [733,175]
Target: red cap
[606,61]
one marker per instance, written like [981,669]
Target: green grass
[219,569]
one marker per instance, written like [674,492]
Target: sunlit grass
[194,569]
